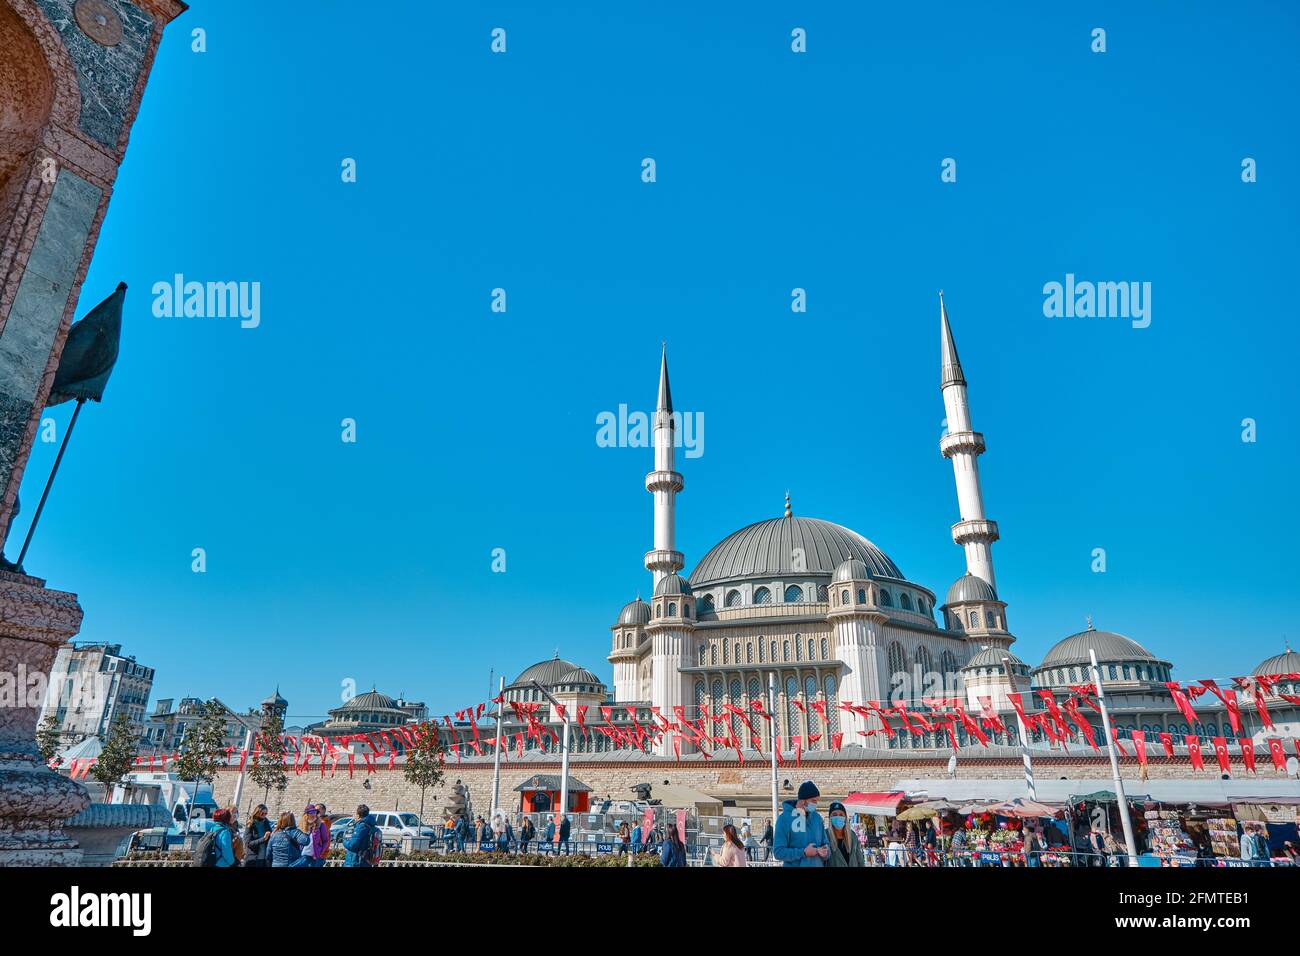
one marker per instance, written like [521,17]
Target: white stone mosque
[834,619]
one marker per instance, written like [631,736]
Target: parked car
[392,826]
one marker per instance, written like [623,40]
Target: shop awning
[877,804]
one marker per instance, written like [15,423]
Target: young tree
[268,755]
[118,756]
[48,738]
[423,766]
[203,751]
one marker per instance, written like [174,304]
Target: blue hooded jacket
[794,832]
[358,842]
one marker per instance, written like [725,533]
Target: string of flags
[731,728]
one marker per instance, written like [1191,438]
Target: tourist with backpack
[285,847]
[215,847]
[363,843]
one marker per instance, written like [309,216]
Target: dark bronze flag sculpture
[84,367]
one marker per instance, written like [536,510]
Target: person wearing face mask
[845,848]
[800,838]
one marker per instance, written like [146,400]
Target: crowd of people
[259,843]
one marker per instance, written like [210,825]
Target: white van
[392,827]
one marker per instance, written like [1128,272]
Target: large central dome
[768,549]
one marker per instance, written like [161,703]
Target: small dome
[579,675]
[969,587]
[672,584]
[851,570]
[1287,663]
[1108,645]
[546,673]
[635,612]
[992,657]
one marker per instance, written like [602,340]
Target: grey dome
[672,584]
[970,587]
[1108,645]
[371,700]
[767,549]
[546,673]
[635,612]
[579,675]
[992,657]
[1287,663]
[851,570]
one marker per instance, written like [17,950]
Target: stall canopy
[877,804]
[1025,808]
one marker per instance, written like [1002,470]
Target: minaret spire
[664,483]
[964,445]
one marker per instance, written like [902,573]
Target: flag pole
[1129,843]
[776,741]
[49,483]
[1024,736]
[496,761]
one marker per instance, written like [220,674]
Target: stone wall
[748,784]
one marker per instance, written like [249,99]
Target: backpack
[205,852]
[376,846]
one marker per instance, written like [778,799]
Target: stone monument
[72,73]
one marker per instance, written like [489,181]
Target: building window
[905,601]
[825,656]
[706,604]
[793,594]
[811,656]
[672,610]
[785,650]
[713,654]
[724,653]
[844,597]
[761,646]
[749,652]
[885,599]
[791,715]
[733,599]
[762,596]
[862,595]
[897,659]
[948,664]
[798,650]
[774,652]
[832,704]
[736,656]
[717,696]
[823,593]
[810,697]
[736,693]
[699,698]
[974,618]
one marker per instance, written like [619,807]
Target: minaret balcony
[664,481]
[663,560]
[977,530]
[972,443]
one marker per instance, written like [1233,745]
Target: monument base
[34,800]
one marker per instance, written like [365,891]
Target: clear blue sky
[372,561]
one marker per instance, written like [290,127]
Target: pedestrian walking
[747,838]
[287,841]
[564,835]
[363,843]
[638,838]
[844,845]
[672,853]
[257,834]
[732,852]
[767,841]
[527,834]
[549,837]
[624,838]
[800,835]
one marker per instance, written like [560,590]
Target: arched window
[791,714]
[762,596]
[823,593]
[762,647]
[724,653]
[705,604]
[717,695]
[736,692]
[832,703]
[974,618]
[844,596]
[774,652]
[733,599]
[736,656]
[948,664]
[885,599]
[810,696]
[749,652]
[785,650]
[686,609]
[755,691]
[793,594]
[905,601]
[713,654]
[897,660]
[699,698]
[811,656]
[862,595]
[701,655]
[672,609]
[923,606]
[798,649]
[924,661]
[825,656]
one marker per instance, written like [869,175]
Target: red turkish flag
[1194,752]
[1168,742]
[798,750]
[1114,733]
[1247,746]
[1221,751]
[1257,688]
[1278,753]
[1140,745]
[837,741]
[1181,701]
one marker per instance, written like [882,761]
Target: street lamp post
[1129,843]
[564,756]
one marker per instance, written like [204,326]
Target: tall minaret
[664,483]
[963,445]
